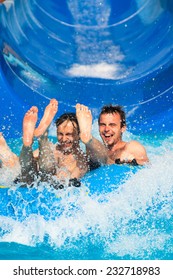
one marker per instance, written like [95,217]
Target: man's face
[67,135]
[110,129]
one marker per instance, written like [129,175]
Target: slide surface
[92,52]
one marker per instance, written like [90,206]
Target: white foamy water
[132,219]
[101,70]
[97,56]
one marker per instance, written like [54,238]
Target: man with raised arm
[112,125]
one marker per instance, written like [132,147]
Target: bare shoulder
[135,145]
[138,150]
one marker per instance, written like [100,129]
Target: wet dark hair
[117,109]
[68,117]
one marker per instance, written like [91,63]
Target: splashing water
[133,221]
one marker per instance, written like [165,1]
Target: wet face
[67,135]
[110,129]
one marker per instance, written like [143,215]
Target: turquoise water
[129,219]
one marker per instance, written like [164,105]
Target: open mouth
[66,145]
[107,137]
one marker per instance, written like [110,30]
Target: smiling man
[63,161]
[112,125]
[67,153]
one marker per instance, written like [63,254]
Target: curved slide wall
[92,52]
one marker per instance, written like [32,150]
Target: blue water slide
[94,52]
